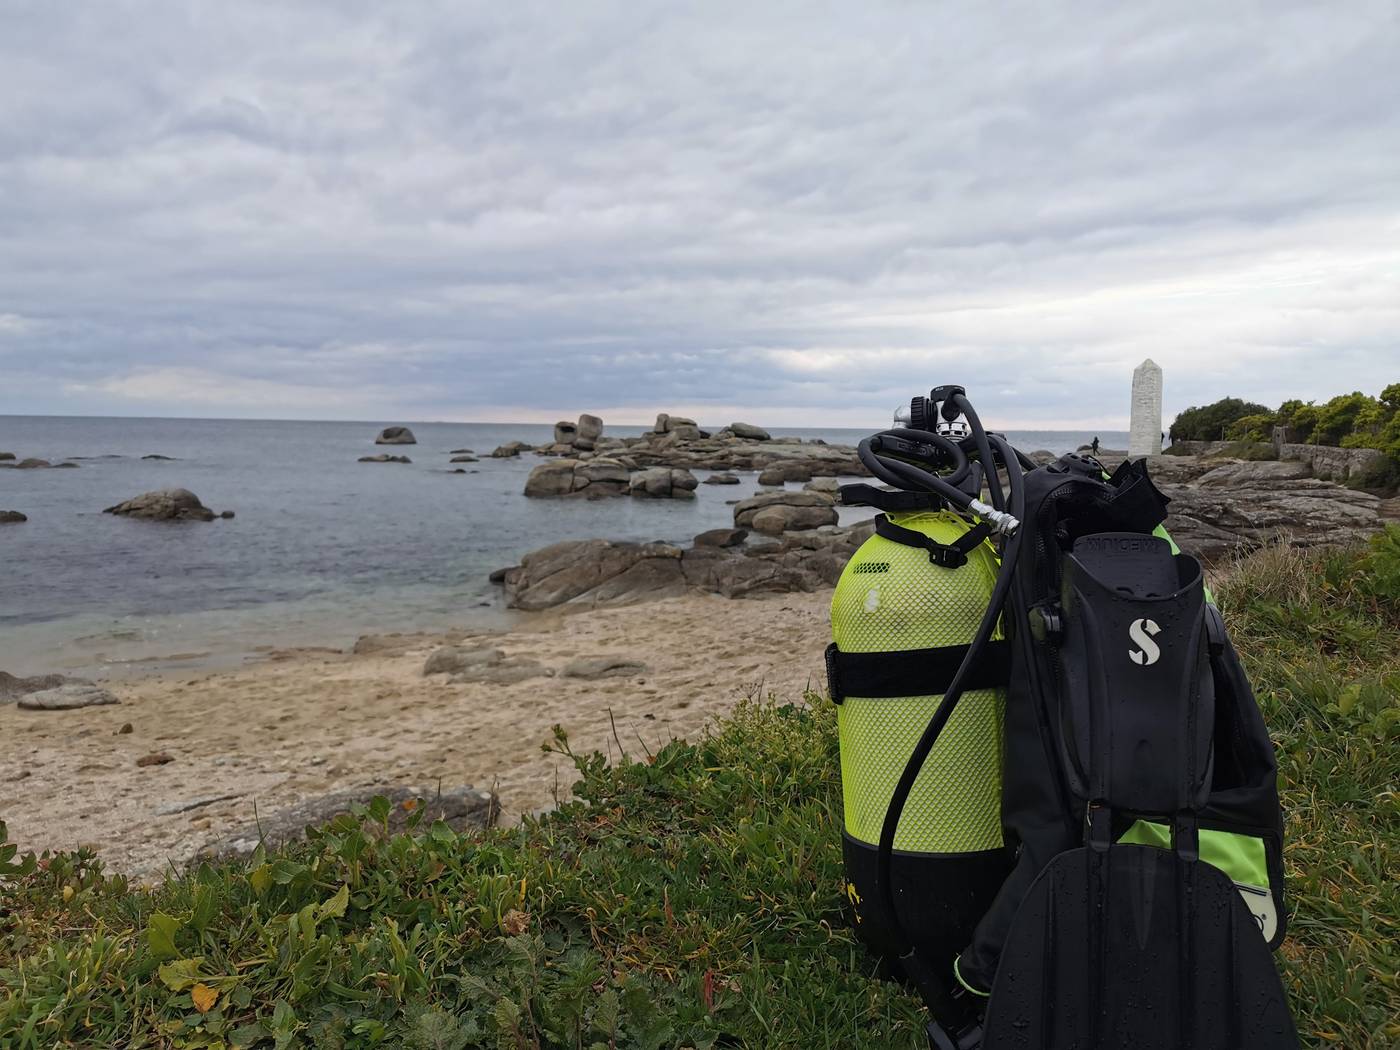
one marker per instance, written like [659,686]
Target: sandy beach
[300,723]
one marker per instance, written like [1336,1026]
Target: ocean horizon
[323,548]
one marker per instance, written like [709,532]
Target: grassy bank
[690,898]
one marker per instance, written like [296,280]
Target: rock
[782,517]
[11,517]
[499,575]
[66,697]
[589,428]
[6,456]
[750,432]
[157,455]
[1238,475]
[830,486]
[1042,457]
[462,452]
[384,457]
[510,449]
[13,687]
[515,669]
[1335,464]
[722,479]
[125,729]
[227,515]
[164,505]
[565,432]
[454,659]
[603,667]
[381,643]
[33,464]
[821,506]
[663,483]
[666,424]
[595,478]
[396,436]
[721,538]
[462,809]
[594,572]
[155,758]
[463,459]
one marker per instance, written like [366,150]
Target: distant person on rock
[1094,445]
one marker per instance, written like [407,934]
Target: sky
[785,213]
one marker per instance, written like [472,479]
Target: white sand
[303,723]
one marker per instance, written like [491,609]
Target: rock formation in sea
[663,483]
[384,457]
[164,505]
[396,436]
[11,517]
[596,478]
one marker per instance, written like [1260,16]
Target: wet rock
[721,538]
[452,659]
[463,459]
[6,456]
[396,436]
[592,667]
[663,483]
[164,505]
[461,808]
[11,517]
[158,456]
[511,449]
[384,457]
[227,515]
[596,478]
[722,479]
[33,464]
[462,452]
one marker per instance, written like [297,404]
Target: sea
[322,548]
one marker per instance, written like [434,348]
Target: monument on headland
[1145,421]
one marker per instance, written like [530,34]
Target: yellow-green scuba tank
[904,612]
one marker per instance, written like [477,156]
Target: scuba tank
[1132,771]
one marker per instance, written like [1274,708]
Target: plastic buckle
[944,556]
[833,675]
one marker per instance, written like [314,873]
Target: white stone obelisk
[1145,426]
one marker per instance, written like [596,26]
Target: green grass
[690,899]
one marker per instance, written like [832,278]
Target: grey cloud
[454,211]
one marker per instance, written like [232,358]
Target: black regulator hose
[931,987]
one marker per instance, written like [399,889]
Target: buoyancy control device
[1050,657]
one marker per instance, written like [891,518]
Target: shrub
[1210,422]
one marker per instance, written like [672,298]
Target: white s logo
[1147,653]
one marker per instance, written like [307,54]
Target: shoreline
[298,724]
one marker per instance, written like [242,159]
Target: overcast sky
[786,213]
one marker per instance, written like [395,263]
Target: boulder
[782,517]
[12,687]
[721,538]
[11,517]
[603,667]
[745,510]
[463,459]
[462,809]
[595,478]
[750,432]
[507,672]
[66,697]
[722,479]
[510,449]
[384,457]
[830,486]
[663,483]
[396,436]
[589,428]
[665,424]
[565,432]
[33,464]
[164,505]
[158,456]
[6,456]
[462,452]
[594,572]
[451,659]
[1334,464]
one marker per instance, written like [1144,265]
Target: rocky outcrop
[829,486]
[722,479]
[6,456]
[1249,473]
[67,697]
[463,459]
[564,432]
[594,572]
[164,505]
[592,667]
[462,809]
[663,483]
[590,429]
[511,449]
[396,436]
[157,456]
[777,512]
[39,464]
[721,538]
[596,478]
[1332,464]
[384,457]
[11,517]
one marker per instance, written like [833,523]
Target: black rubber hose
[1010,555]
[984,450]
[905,475]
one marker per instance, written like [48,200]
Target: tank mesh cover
[891,598]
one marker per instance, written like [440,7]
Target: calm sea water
[323,548]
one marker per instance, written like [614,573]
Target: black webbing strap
[949,555]
[863,495]
[913,672]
